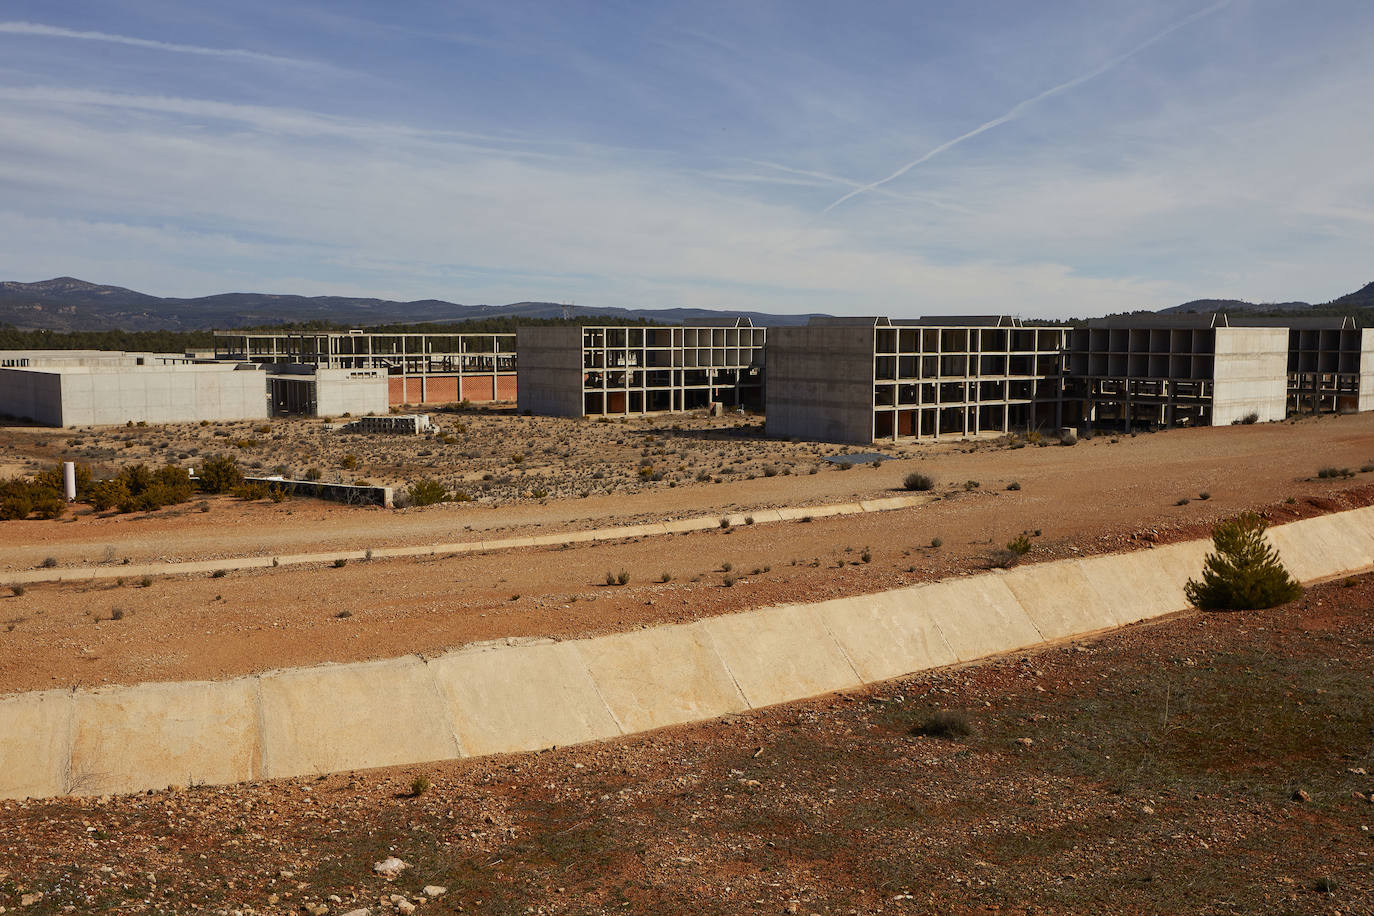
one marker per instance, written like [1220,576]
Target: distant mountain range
[68,304]
[1362,298]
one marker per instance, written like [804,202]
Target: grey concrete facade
[620,370]
[101,396]
[550,371]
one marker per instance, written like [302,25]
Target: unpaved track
[1086,499]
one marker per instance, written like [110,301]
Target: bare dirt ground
[1103,495]
[1209,763]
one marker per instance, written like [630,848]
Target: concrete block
[1133,585]
[35,744]
[781,653]
[521,698]
[127,739]
[351,717]
[660,676]
[978,616]
[1058,599]
[887,635]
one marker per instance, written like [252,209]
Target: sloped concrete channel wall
[522,697]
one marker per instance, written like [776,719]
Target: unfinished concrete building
[610,370]
[420,368]
[874,379]
[1330,362]
[104,394]
[1150,372]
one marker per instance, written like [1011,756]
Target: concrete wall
[820,383]
[1250,373]
[549,371]
[1366,399]
[31,393]
[527,695]
[96,396]
[352,391]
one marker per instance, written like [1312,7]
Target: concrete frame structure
[421,368]
[77,395]
[871,379]
[1172,371]
[597,370]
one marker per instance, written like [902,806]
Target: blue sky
[902,158]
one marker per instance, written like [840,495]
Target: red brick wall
[395,390]
[441,389]
[505,387]
[477,388]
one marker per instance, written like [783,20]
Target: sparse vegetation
[918,482]
[426,492]
[1020,545]
[340,562]
[944,723]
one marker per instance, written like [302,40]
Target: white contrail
[52,31]
[1027,103]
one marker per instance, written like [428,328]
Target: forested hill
[69,304]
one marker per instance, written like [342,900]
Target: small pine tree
[1245,573]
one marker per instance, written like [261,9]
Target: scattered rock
[402,905]
[30,899]
[315,909]
[433,890]
[390,867]
[1025,742]
[1301,795]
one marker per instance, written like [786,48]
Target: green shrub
[15,506]
[917,481]
[220,474]
[937,543]
[252,490]
[1020,545]
[622,578]
[426,492]
[1245,572]
[50,507]
[107,494]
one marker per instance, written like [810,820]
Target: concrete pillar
[69,480]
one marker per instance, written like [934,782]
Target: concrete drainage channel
[528,696]
[681,526]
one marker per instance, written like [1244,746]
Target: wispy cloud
[1020,107]
[51,31]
